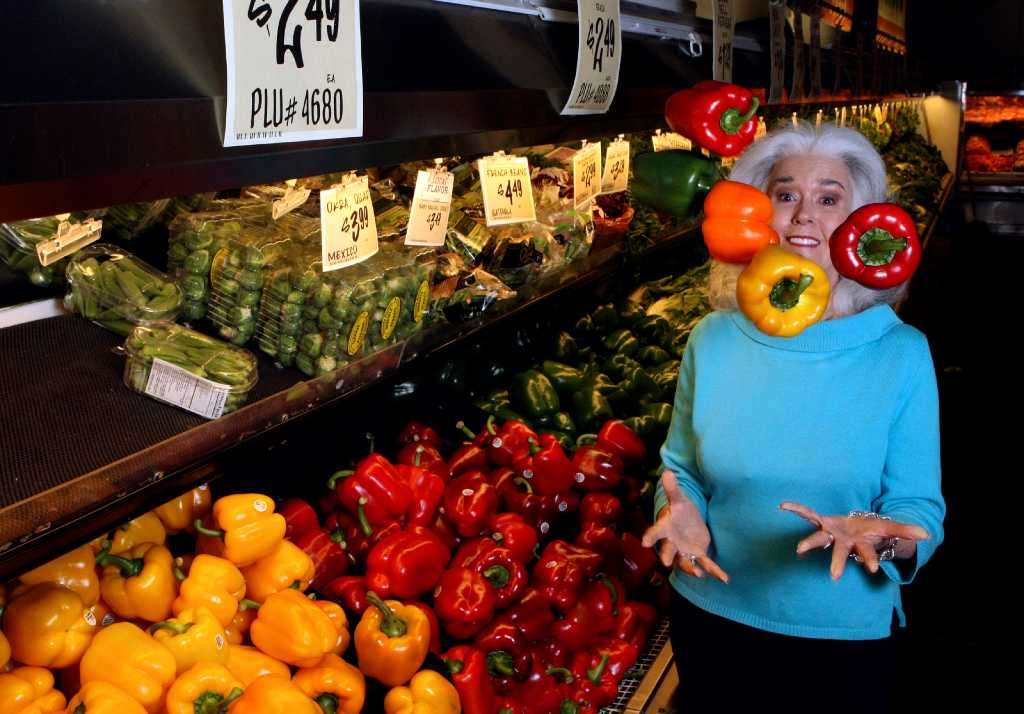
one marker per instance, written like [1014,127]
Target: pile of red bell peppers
[524,556]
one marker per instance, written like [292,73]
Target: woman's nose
[802,217]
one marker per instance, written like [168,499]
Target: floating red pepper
[562,571]
[468,668]
[716,116]
[375,492]
[327,551]
[877,246]
[300,518]
[469,502]
[464,601]
[622,441]
[596,468]
[350,591]
[416,432]
[406,564]
[513,532]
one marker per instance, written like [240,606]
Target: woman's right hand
[683,534]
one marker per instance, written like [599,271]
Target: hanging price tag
[508,193]
[292,199]
[671,140]
[70,238]
[586,174]
[616,168]
[294,71]
[724,27]
[348,228]
[597,59]
[431,204]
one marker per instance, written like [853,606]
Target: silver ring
[831,540]
[692,558]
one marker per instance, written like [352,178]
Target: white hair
[870,185]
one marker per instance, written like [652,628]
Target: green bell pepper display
[622,342]
[566,348]
[653,355]
[660,411]
[560,421]
[605,318]
[644,426]
[565,379]
[672,181]
[534,394]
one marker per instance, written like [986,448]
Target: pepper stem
[732,120]
[534,448]
[213,702]
[524,482]
[418,456]
[328,703]
[497,575]
[569,707]
[247,604]
[500,664]
[586,439]
[178,628]
[391,624]
[338,537]
[203,530]
[595,674]
[364,523]
[564,673]
[787,292]
[179,574]
[878,247]
[129,567]
[614,593]
[461,426]
[80,709]
[454,665]
[489,424]
[337,476]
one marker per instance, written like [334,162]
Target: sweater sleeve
[679,453]
[911,489]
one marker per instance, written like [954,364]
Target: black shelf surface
[80,452]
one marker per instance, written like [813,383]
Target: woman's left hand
[859,536]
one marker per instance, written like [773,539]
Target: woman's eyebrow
[781,179]
[831,182]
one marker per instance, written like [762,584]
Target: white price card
[586,174]
[724,28]
[431,204]
[671,140]
[348,228]
[175,385]
[508,192]
[295,71]
[616,168]
[597,58]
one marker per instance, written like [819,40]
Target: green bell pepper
[559,421]
[644,426]
[653,355]
[660,411]
[583,327]
[653,329]
[640,384]
[563,439]
[565,379]
[605,318]
[566,349]
[672,181]
[590,408]
[622,342]
[534,394]
[618,364]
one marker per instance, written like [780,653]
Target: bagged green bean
[127,220]
[18,241]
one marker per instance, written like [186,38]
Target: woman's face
[811,197]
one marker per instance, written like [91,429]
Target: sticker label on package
[422,301]
[390,320]
[357,336]
[174,385]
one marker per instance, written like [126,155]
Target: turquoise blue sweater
[842,417]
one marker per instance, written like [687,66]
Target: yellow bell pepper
[180,514]
[207,688]
[248,664]
[427,693]
[103,698]
[128,658]
[243,528]
[392,640]
[29,690]
[147,528]
[292,628]
[337,616]
[214,583]
[195,636]
[75,570]
[239,626]
[47,626]
[334,684]
[140,585]
[274,695]
[782,293]
[286,566]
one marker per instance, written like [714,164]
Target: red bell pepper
[567,503]
[511,531]
[518,496]
[327,551]
[504,572]
[716,116]
[562,571]
[639,564]
[357,543]
[464,601]
[552,654]
[482,437]
[416,432]
[602,540]
[532,615]
[406,564]
[510,443]
[548,690]
[636,490]
[634,623]
[877,246]
[375,492]
[471,455]
[622,441]
[443,530]
[506,650]
[471,550]
[603,508]
[599,670]
[427,457]
[427,491]
[469,675]
[469,502]
[594,616]
[350,591]
[596,469]
[510,704]
[435,625]
[300,518]
[551,471]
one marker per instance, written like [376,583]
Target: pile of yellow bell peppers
[122,626]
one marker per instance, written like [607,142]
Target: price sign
[586,174]
[508,192]
[294,70]
[724,26]
[671,140]
[431,204]
[616,168]
[348,228]
[597,59]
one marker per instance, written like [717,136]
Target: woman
[787,457]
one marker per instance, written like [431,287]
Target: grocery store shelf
[81,453]
[996,182]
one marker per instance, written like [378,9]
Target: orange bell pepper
[339,619]
[243,528]
[131,660]
[737,222]
[29,690]
[248,664]
[147,528]
[5,650]
[428,693]
[180,514]
[334,684]
[141,585]
[214,583]
[286,566]
[274,695]
[75,570]
[47,626]
[103,698]
[392,640]
[206,688]
[195,636]
[239,626]
[292,628]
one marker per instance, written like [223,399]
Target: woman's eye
[829,200]
[785,196]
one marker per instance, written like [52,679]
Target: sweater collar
[828,335]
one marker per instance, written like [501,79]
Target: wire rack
[631,682]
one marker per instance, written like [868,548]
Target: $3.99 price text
[355,221]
